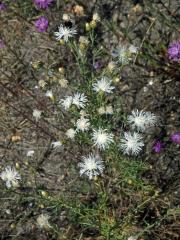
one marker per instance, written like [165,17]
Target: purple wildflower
[2,45]
[157,147]
[176,138]
[43,3]
[97,65]
[174,51]
[2,6]
[42,24]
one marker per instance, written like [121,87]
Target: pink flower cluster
[174,51]
[42,23]
[43,4]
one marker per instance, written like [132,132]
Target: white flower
[111,66]
[66,17]
[151,119]
[91,166]
[56,144]
[103,85]
[132,238]
[37,114]
[101,138]
[49,94]
[66,102]
[109,109]
[83,113]
[96,17]
[42,83]
[79,99]
[84,40]
[121,53]
[83,124]
[63,83]
[70,133]
[151,82]
[10,176]
[101,110]
[141,120]
[133,49]
[30,153]
[105,110]
[131,143]
[65,33]
[43,222]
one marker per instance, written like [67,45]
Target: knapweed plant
[81,173]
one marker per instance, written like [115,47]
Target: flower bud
[87,26]
[66,17]
[93,24]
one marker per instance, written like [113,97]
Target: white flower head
[79,99]
[83,113]
[133,49]
[37,114]
[10,176]
[96,17]
[66,17]
[91,166]
[141,119]
[42,83]
[43,221]
[101,138]
[132,238]
[109,109]
[56,144]
[83,124]
[63,83]
[30,153]
[66,102]
[105,110]
[84,40]
[103,85]
[101,110]
[70,133]
[65,33]
[111,66]
[121,53]
[151,119]
[49,94]
[131,143]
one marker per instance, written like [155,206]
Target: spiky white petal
[132,238]
[66,102]
[105,110]
[56,144]
[96,17]
[141,119]
[37,114]
[101,110]
[30,153]
[101,138]
[79,99]
[49,94]
[10,176]
[70,133]
[131,143]
[43,221]
[91,166]
[133,49]
[151,119]
[103,85]
[65,33]
[83,124]
[121,53]
[109,109]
